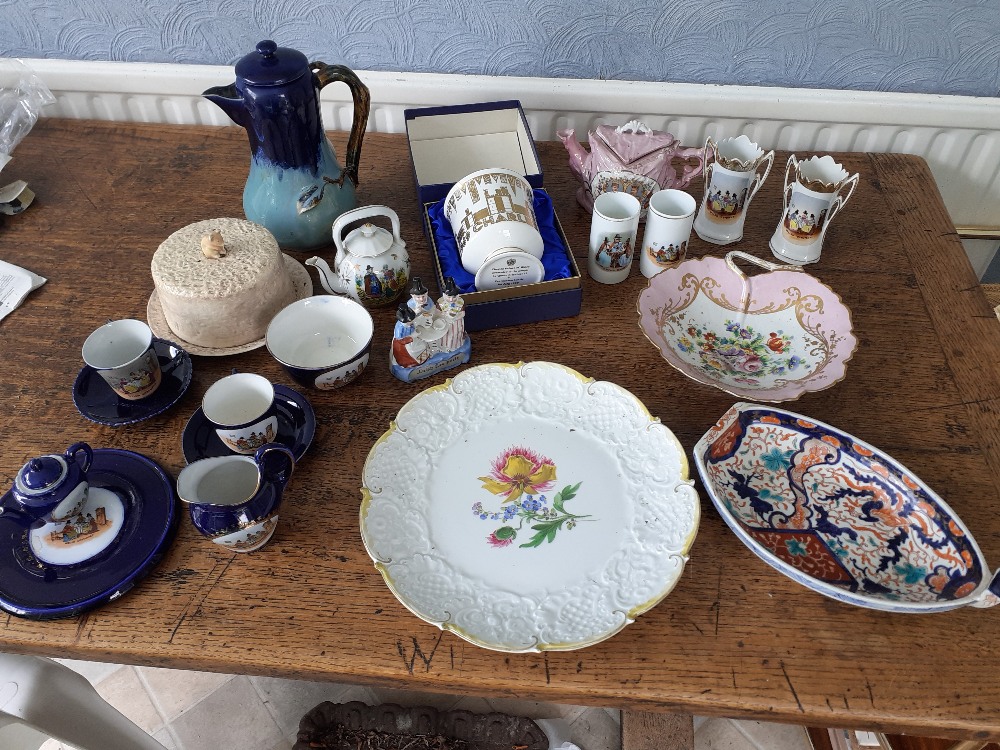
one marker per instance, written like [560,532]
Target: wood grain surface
[734,638]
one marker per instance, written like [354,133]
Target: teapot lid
[271,65]
[634,140]
[368,241]
[41,475]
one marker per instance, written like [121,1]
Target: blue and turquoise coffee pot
[296,188]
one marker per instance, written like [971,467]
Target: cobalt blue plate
[296,428]
[96,401]
[36,590]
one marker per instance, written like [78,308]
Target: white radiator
[958,136]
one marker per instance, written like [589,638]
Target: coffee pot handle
[277,467]
[362,103]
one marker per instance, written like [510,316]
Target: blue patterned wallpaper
[925,46]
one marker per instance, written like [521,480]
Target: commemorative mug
[668,229]
[491,211]
[614,229]
[121,352]
[242,411]
[815,191]
[732,178]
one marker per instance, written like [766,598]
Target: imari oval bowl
[839,516]
[770,337]
[528,508]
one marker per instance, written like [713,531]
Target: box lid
[448,143]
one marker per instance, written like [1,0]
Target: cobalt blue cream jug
[296,188]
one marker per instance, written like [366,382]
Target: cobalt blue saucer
[36,590]
[296,428]
[96,401]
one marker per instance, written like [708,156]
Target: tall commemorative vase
[296,187]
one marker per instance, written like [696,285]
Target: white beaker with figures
[815,191]
[735,168]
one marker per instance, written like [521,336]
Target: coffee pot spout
[230,101]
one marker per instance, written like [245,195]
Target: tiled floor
[206,711]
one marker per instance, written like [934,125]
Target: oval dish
[771,337]
[528,508]
[839,516]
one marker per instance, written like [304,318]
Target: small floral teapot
[53,487]
[631,158]
[371,265]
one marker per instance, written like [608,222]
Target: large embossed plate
[838,515]
[527,508]
[770,337]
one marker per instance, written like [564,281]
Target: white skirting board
[958,136]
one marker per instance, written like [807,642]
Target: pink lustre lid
[634,140]
[769,337]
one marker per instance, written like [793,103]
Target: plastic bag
[22,96]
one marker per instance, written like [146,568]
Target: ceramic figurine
[630,158]
[52,488]
[371,265]
[429,339]
[296,188]
[815,191]
[419,298]
[212,245]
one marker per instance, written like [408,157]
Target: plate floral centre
[522,477]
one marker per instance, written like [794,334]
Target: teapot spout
[330,281]
[578,155]
[230,101]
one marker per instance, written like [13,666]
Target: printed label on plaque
[510,268]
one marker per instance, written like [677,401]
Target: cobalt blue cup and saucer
[296,428]
[96,401]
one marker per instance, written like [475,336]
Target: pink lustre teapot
[629,158]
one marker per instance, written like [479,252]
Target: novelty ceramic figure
[296,187]
[427,339]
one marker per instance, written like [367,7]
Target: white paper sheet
[15,284]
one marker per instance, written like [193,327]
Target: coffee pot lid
[271,65]
[41,475]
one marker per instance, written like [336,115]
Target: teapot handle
[357,214]
[362,102]
[689,172]
[88,454]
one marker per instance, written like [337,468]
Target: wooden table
[734,638]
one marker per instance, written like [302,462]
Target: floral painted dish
[839,516]
[770,337]
[528,508]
